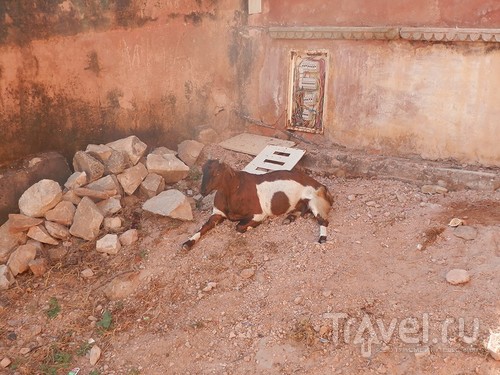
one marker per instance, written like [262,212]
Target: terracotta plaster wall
[160,71]
[433,100]
[444,13]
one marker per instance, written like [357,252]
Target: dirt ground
[372,300]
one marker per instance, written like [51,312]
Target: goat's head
[215,174]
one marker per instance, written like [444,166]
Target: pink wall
[73,74]
[435,100]
[460,13]
[160,71]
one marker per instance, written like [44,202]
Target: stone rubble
[132,177]
[77,179]
[39,198]
[87,221]
[57,230]
[105,176]
[168,166]
[6,277]
[109,244]
[21,223]
[129,237]
[189,151]
[152,185]
[457,276]
[172,203]
[62,214]
[40,234]
[21,257]
[84,162]
[132,146]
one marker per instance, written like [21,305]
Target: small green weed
[83,349]
[56,359]
[54,308]
[106,320]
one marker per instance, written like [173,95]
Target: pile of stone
[87,205]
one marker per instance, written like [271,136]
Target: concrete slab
[252,144]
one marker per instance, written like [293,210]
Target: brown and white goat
[249,198]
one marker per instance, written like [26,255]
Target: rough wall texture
[435,100]
[73,73]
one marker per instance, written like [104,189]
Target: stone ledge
[386,33]
[328,32]
[450,34]
[415,171]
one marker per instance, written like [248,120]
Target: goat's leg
[302,208]
[211,223]
[320,211]
[243,225]
[323,224]
[290,218]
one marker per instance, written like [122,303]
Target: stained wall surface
[73,73]
[436,100]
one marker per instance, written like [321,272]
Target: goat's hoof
[241,229]
[322,239]
[187,245]
[289,219]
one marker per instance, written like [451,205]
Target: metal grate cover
[274,158]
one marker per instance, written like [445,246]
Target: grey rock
[40,234]
[129,237]
[457,276]
[38,266]
[109,206]
[56,254]
[123,286]
[433,189]
[62,214]
[84,162]
[207,136]
[101,152]
[163,151]
[493,345]
[94,355]
[132,177]
[132,146]
[57,230]
[6,278]
[87,220]
[21,257]
[87,273]
[40,197]
[70,196]
[21,223]
[108,244]
[170,203]
[466,232]
[152,185]
[189,151]
[167,166]
[16,179]
[76,180]
[112,224]
[95,195]
[107,184]
[117,163]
